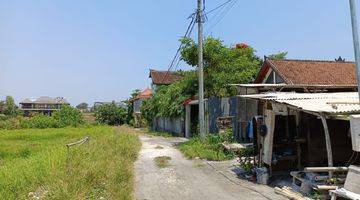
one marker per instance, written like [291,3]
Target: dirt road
[189,179]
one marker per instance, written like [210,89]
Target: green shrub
[110,114]
[10,123]
[6,124]
[210,149]
[40,121]
[68,116]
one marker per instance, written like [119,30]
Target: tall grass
[36,162]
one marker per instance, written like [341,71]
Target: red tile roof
[164,77]
[145,94]
[310,72]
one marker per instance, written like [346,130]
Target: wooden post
[328,142]
[187,120]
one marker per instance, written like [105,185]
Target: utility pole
[201,69]
[355,34]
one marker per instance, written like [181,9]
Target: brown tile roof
[164,77]
[311,72]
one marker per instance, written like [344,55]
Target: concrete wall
[174,126]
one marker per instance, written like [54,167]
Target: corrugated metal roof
[331,103]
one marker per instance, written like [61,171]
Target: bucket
[262,175]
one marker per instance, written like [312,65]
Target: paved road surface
[189,179]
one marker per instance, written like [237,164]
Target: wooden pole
[326,169]
[328,143]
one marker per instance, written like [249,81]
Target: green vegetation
[9,107]
[110,114]
[36,163]
[66,116]
[162,161]
[210,149]
[246,159]
[130,107]
[222,65]
[82,106]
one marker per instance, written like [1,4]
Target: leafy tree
[9,108]
[223,65]
[110,114]
[278,56]
[130,106]
[82,106]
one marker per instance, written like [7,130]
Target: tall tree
[82,106]
[223,65]
[130,106]
[278,56]
[10,109]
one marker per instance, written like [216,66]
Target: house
[159,78]
[297,114]
[137,102]
[304,76]
[307,72]
[44,104]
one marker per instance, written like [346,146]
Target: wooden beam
[327,142]
[326,169]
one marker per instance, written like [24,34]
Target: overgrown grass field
[36,163]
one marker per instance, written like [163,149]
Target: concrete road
[189,179]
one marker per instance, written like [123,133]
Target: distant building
[119,104]
[44,104]
[137,102]
[163,78]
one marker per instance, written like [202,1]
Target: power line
[222,15]
[219,6]
[177,55]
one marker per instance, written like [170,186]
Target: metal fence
[222,107]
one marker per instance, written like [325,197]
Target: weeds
[162,161]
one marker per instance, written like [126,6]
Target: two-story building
[44,104]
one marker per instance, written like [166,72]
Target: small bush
[40,121]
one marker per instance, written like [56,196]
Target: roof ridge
[154,70]
[309,60]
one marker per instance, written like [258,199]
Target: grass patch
[161,134]
[162,161]
[210,149]
[159,147]
[36,163]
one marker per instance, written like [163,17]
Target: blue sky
[92,50]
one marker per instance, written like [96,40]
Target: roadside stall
[307,135]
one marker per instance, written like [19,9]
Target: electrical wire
[222,15]
[177,55]
[219,6]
